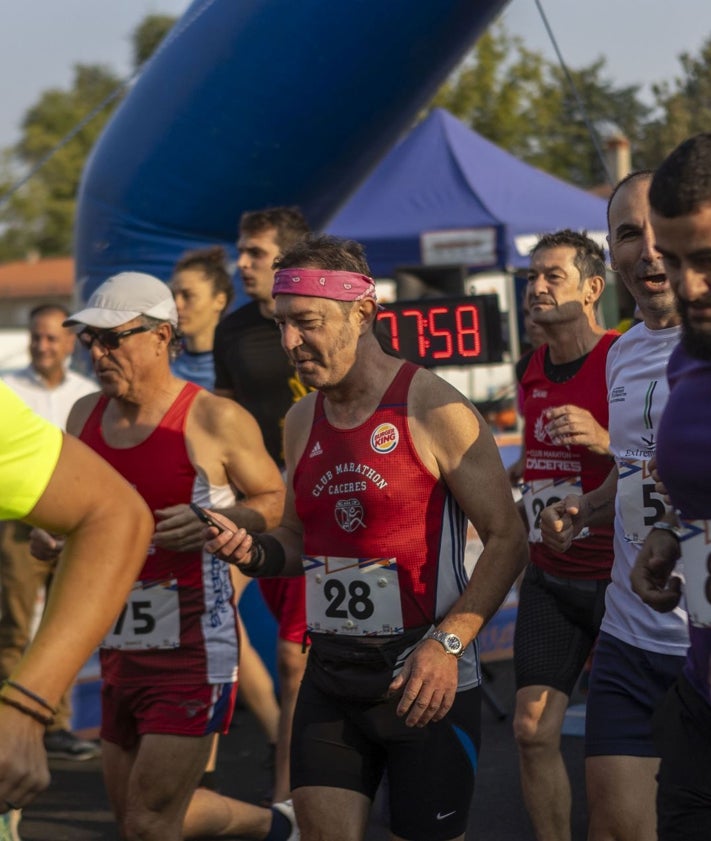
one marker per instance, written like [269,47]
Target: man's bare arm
[108,529]
[235,545]
[454,441]
[226,445]
[563,520]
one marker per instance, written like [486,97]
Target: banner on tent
[468,246]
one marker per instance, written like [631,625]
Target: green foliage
[524,103]
[148,35]
[683,107]
[39,217]
[492,88]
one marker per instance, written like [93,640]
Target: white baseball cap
[124,297]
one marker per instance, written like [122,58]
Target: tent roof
[445,176]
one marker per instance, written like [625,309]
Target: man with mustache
[562,594]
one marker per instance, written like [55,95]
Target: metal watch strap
[441,636]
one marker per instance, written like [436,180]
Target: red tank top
[592,556]
[180,624]
[365,497]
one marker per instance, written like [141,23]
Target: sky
[41,40]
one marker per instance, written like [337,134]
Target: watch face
[453,643]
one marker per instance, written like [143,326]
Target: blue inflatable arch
[252,103]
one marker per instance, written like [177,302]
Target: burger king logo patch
[384,438]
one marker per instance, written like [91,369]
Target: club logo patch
[385,438]
[349,514]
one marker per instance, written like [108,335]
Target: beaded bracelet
[30,694]
[44,720]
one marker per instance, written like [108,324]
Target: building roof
[49,277]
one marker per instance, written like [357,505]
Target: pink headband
[323,283]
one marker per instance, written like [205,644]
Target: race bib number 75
[149,619]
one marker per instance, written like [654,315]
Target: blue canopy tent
[444,176]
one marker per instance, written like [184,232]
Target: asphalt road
[75,807]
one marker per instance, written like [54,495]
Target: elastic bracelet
[267,557]
[44,720]
[662,525]
[30,694]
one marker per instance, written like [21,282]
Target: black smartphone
[205,517]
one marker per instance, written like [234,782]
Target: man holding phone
[386,462]
[169,665]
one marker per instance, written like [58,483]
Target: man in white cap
[169,664]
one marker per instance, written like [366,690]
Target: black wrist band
[44,720]
[30,694]
[267,557]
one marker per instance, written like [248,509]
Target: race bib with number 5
[149,619]
[353,596]
[640,505]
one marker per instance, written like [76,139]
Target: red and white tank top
[383,538]
[179,624]
[553,471]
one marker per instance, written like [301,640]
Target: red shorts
[129,712]
[286,599]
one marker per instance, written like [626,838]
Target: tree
[561,142]
[490,90]
[522,102]
[683,108]
[39,217]
[148,35]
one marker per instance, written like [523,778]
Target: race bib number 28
[149,619]
[539,494]
[352,596]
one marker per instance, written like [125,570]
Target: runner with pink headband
[324,283]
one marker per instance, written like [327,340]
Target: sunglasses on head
[108,339]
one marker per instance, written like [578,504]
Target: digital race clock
[444,331]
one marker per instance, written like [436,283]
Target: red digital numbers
[391,318]
[440,332]
[421,326]
[467,321]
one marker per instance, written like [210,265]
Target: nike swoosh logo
[441,817]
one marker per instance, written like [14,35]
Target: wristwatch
[662,525]
[449,642]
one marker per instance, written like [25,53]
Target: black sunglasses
[108,339]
